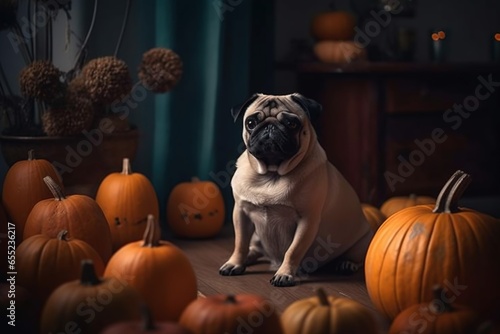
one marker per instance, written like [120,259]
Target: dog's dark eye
[291,124]
[250,123]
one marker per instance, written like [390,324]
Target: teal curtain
[194,134]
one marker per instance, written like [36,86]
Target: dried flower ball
[74,117]
[41,80]
[107,79]
[160,69]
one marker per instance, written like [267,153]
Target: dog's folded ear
[312,108]
[240,109]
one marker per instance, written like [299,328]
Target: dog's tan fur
[282,211]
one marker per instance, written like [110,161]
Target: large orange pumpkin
[327,314]
[231,314]
[196,209]
[23,187]
[126,199]
[43,263]
[439,316]
[89,304]
[159,270]
[80,215]
[424,245]
[394,204]
[333,25]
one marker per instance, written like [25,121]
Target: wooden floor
[208,255]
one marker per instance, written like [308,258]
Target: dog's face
[277,130]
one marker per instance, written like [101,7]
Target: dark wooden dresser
[400,128]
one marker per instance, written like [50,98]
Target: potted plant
[77,119]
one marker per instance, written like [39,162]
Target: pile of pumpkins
[100,265]
[433,266]
[334,32]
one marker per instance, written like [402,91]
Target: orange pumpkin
[373,215]
[43,263]
[327,314]
[196,209]
[425,245]
[394,204]
[80,215]
[159,270]
[339,52]
[333,25]
[147,325]
[89,304]
[126,199]
[5,236]
[438,316]
[242,313]
[23,187]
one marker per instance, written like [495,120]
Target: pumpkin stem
[31,154]
[147,317]
[195,179]
[323,298]
[438,304]
[151,234]
[63,235]
[54,188]
[447,200]
[89,276]
[126,168]
[230,299]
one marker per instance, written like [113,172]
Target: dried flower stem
[85,41]
[25,52]
[122,30]
[4,83]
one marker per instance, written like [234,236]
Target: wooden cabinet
[397,128]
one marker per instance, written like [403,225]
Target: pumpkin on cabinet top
[23,187]
[80,215]
[196,209]
[231,314]
[158,270]
[394,204]
[333,25]
[439,316]
[89,304]
[324,314]
[126,199]
[424,245]
[43,263]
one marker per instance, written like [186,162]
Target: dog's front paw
[230,269]
[283,280]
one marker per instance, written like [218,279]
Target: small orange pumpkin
[89,304]
[424,245]
[43,263]
[80,215]
[126,199]
[333,25]
[327,314]
[394,204]
[23,187]
[232,314]
[147,325]
[439,316]
[373,215]
[196,209]
[158,270]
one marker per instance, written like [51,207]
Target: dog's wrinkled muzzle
[272,145]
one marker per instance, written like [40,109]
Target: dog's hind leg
[353,259]
[256,250]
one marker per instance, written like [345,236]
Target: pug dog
[291,204]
